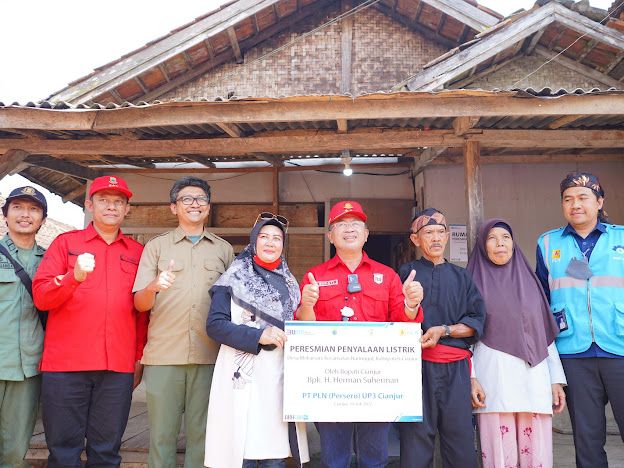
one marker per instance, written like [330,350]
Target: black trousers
[592,382]
[447,410]
[90,404]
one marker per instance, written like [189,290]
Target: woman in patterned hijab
[250,303]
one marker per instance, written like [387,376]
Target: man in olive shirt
[21,333]
[175,273]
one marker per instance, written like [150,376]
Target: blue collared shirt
[586,245]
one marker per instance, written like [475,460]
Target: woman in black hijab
[250,303]
[516,361]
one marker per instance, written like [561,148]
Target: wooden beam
[275,190]
[591,45]
[117,96]
[474,191]
[464,34]
[138,81]
[578,67]
[533,159]
[71,196]
[416,15]
[342,125]
[231,129]
[231,32]
[11,160]
[534,41]
[389,106]
[465,13]
[565,120]
[614,63]
[163,70]
[63,167]
[455,65]
[412,24]
[346,52]
[426,157]
[270,158]
[318,142]
[462,125]
[588,27]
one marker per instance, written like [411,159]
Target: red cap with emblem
[346,208]
[110,183]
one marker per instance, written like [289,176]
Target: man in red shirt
[351,286]
[94,336]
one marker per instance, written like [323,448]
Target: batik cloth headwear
[590,181]
[428,217]
[260,291]
[582,179]
[518,320]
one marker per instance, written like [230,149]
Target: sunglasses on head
[266,215]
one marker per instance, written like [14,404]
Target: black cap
[27,192]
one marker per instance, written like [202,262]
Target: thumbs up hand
[164,280]
[310,293]
[413,291]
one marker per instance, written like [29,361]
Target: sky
[46,44]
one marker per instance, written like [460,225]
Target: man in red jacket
[94,336]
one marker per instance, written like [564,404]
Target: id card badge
[562,321]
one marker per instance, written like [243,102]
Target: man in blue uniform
[581,267]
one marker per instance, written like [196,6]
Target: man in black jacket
[454,318]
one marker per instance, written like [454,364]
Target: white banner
[352,372]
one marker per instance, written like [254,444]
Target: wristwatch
[447,330]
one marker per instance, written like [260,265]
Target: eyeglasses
[266,215]
[352,225]
[188,200]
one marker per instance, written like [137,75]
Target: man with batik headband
[581,267]
[21,333]
[454,318]
[351,287]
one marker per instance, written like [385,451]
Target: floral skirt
[516,440]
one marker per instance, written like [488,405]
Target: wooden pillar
[346,48]
[276,189]
[12,162]
[474,192]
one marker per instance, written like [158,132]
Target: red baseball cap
[109,183]
[346,208]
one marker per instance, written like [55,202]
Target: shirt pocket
[128,266]
[8,280]
[331,300]
[213,269]
[619,318]
[375,305]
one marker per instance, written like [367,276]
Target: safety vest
[594,308]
